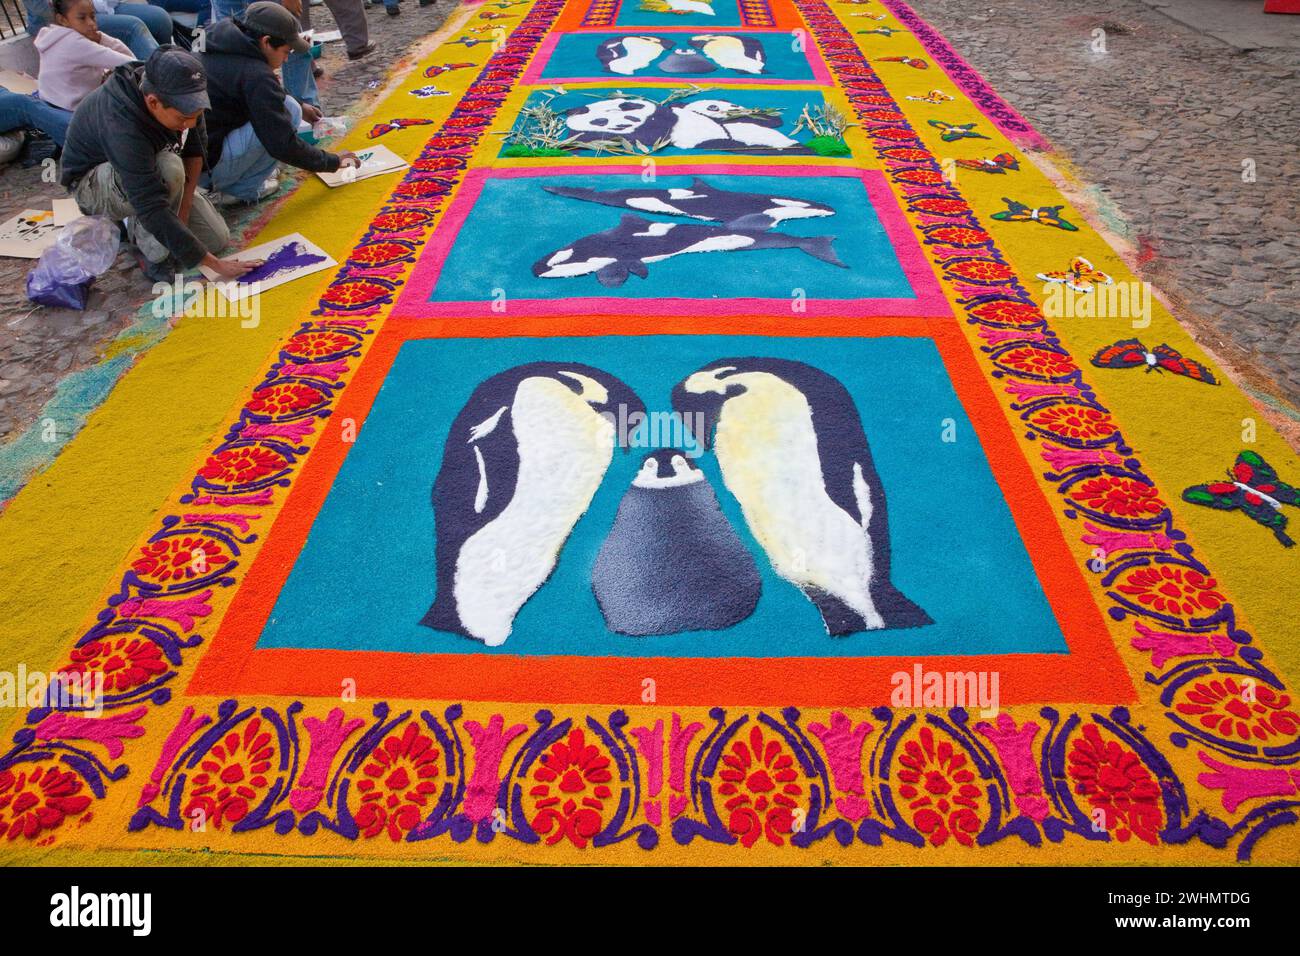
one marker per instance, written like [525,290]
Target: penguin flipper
[898,610]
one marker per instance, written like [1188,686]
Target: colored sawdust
[1156,727]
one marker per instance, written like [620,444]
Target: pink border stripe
[533,75]
[997,110]
[929,302]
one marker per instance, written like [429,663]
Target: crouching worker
[253,123]
[134,152]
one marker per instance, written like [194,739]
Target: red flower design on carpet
[979,270]
[399,782]
[940,788]
[959,235]
[1221,706]
[1122,497]
[1171,589]
[1035,361]
[318,345]
[239,466]
[284,398]
[126,662]
[1075,421]
[1006,312]
[38,798]
[179,558]
[580,773]
[1117,783]
[231,775]
[760,782]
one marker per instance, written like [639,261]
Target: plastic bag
[65,271]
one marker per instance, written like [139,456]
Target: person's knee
[218,233]
[172,169]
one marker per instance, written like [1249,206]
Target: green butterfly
[1252,487]
[955,131]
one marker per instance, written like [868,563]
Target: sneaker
[392,11]
[366,50]
[164,271]
[269,186]
[11,144]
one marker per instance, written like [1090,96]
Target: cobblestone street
[1161,128]
[40,346]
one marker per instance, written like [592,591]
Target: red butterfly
[379,129]
[1130,353]
[915,62]
[440,68]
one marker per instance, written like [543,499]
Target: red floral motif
[940,788]
[422,188]
[1006,312]
[242,465]
[318,345]
[355,294]
[1122,497]
[450,141]
[399,782]
[284,398]
[882,116]
[1221,706]
[466,122]
[1075,421]
[1171,589]
[891,132]
[907,154]
[871,99]
[984,271]
[400,220]
[921,177]
[962,236]
[581,775]
[126,662]
[477,105]
[37,798]
[438,164]
[762,789]
[231,775]
[381,253]
[1036,361]
[941,206]
[180,558]
[1115,781]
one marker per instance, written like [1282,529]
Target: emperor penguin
[628,54]
[520,466]
[740,53]
[672,562]
[791,449]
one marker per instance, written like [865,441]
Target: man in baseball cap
[134,152]
[253,123]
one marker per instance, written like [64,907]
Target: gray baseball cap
[176,78]
[275,21]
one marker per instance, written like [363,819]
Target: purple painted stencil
[287,258]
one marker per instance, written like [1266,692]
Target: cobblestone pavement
[40,346]
[1160,126]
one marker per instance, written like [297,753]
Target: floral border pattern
[743,777]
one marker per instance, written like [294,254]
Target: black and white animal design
[628,54]
[704,202]
[520,466]
[740,53]
[635,243]
[692,124]
[672,561]
[703,53]
[791,448]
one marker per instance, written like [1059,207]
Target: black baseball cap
[176,78]
[275,21]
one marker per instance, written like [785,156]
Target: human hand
[311,113]
[232,268]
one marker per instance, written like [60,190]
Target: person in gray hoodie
[134,152]
[252,123]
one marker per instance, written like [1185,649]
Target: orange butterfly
[1080,276]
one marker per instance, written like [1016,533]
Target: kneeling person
[253,123]
[134,151]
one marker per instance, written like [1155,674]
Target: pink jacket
[72,67]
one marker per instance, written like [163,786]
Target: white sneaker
[11,144]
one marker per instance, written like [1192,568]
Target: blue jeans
[28,111]
[202,7]
[227,8]
[298,80]
[141,27]
[244,163]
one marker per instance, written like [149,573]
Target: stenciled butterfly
[915,62]
[881,31]
[379,129]
[440,68]
[998,164]
[951,132]
[1047,215]
[934,96]
[1130,353]
[1080,276]
[1252,487]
